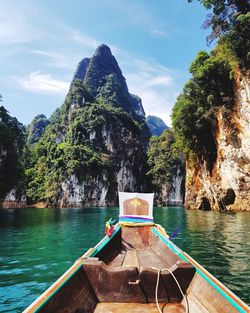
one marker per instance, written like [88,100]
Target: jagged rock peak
[82,69]
[136,104]
[37,128]
[102,78]
[103,51]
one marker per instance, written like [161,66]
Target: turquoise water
[38,245]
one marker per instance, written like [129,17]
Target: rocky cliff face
[166,169]
[227,186]
[95,144]
[12,136]
[118,143]
[14,199]
[177,192]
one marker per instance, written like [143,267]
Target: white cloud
[162,80]
[84,39]
[157,85]
[14,26]
[52,55]
[158,93]
[42,83]
[56,59]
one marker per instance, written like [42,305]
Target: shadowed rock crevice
[205,204]
[229,197]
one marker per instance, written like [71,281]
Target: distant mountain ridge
[155,125]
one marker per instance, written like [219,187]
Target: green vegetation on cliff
[104,79]
[163,159]
[79,141]
[36,128]
[12,138]
[230,20]
[194,114]
[211,87]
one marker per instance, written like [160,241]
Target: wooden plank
[148,257]
[118,260]
[131,259]
[137,237]
[195,306]
[113,307]
[204,293]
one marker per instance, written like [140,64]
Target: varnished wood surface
[113,307]
[201,294]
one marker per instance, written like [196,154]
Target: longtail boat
[137,268]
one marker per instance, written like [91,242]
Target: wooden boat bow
[133,269]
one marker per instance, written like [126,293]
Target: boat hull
[120,274]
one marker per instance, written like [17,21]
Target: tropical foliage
[12,138]
[163,158]
[72,144]
[230,20]
[211,87]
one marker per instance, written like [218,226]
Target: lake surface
[38,245]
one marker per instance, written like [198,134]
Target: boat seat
[137,284]
[168,290]
[114,284]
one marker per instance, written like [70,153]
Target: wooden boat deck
[114,307]
[139,258]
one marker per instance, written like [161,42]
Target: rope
[157,286]
[156,290]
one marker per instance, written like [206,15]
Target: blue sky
[41,43]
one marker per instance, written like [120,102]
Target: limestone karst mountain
[95,143]
[103,78]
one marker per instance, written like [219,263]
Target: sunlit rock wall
[228,186]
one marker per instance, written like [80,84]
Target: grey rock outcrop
[155,125]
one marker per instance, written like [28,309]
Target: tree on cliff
[224,15]
[211,87]
[194,114]
[230,20]
[163,159]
